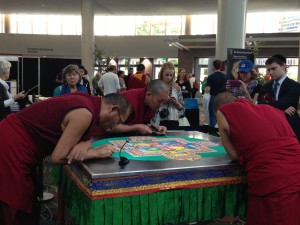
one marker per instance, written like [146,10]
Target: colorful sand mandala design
[169,147]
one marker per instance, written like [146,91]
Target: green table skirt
[171,206]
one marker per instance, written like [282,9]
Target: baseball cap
[245,66]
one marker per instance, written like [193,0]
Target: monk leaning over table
[260,137]
[144,102]
[60,126]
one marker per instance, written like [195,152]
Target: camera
[164,113]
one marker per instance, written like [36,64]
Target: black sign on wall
[234,54]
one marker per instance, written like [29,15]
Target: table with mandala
[182,177]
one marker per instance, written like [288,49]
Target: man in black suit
[282,92]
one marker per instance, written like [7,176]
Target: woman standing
[184,83]
[121,75]
[71,79]
[248,85]
[168,114]
[6,100]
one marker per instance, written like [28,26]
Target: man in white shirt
[109,82]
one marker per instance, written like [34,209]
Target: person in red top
[60,126]
[260,137]
[144,102]
[139,79]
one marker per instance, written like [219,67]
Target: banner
[234,55]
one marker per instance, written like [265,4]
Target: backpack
[195,86]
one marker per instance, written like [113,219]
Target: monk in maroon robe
[60,127]
[144,102]
[260,137]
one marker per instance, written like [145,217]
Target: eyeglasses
[120,119]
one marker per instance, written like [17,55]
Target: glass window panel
[113,26]
[158,25]
[203,61]
[260,61]
[174,25]
[203,72]
[112,62]
[134,61]
[39,24]
[24,24]
[292,61]
[13,24]
[1,23]
[156,71]
[204,24]
[292,72]
[174,29]
[122,61]
[174,19]
[124,68]
[100,25]
[262,71]
[173,60]
[158,61]
[69,25]
[158,19]
[158,29]
[143,25]
[127,25]
[54,25]
[254,23]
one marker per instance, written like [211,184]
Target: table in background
[100,192]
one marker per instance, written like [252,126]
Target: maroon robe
[142,113]
[30,135]
[271,156]
[134,82]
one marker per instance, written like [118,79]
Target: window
[71,25]
[24,24]
[204,24]
[158,25]
[175,25]
[39,25]
[54,25]
[2,23]
[143,25]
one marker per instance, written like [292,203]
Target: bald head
[222,99]
[157,86]
[157,94]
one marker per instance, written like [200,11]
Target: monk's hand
[78,153]
[162,129]
[104,151]
[143,129]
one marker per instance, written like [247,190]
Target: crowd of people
[258,125]
[280,92]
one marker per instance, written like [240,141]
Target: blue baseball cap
[245,66]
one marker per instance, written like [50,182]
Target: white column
[188,25]
[87,36]
[7,23]
[231,26]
